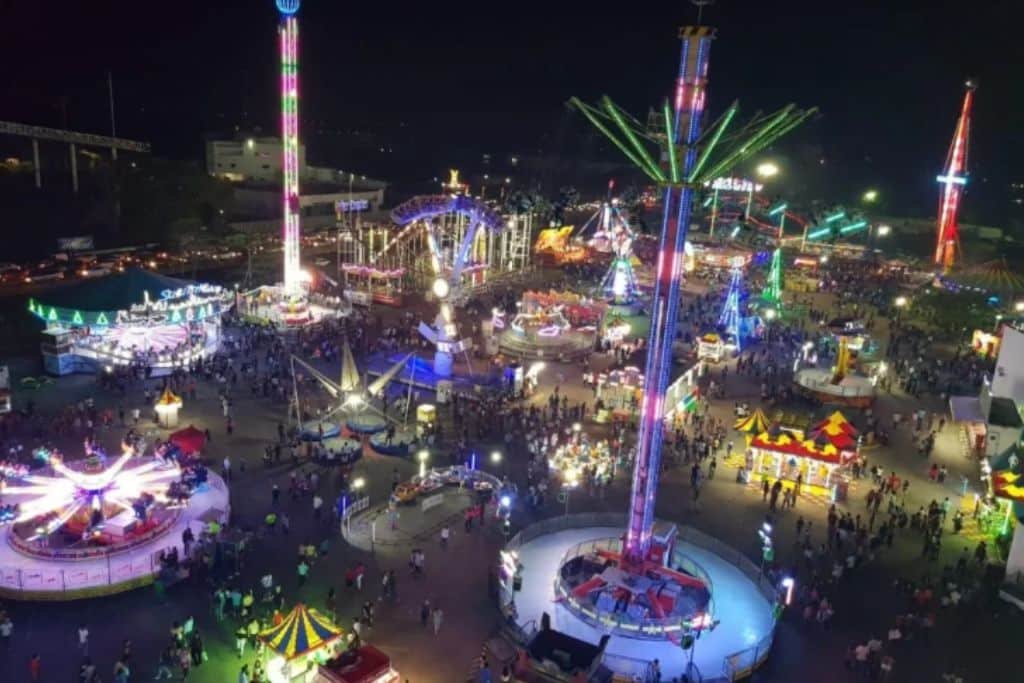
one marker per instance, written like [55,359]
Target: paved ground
[976,639]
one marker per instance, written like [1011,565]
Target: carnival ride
[549,325]
[354,398]
[613,235]
[841,384]
[631,573]
[93,524]
[953,180]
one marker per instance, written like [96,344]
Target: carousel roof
[302,630]
[112,292]
[791,443]
[754,423]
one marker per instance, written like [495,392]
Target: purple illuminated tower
[688,109]
[289,33]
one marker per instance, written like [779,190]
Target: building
[253,164]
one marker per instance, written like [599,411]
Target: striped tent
[836,430]
[755,423]
[302,631]
[995,276]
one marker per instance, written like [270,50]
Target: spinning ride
[613,235]
[92,525]
[550,325]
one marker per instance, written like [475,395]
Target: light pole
[422,457]
[900,302]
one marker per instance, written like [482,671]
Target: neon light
[834,217]
[821,232]
[778,209]
[853,227]
[52,315]
[101,319]
[730,317]
[289,31]
[773,287]
[952,179]
[76,319]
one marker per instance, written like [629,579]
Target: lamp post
[422,457]
[900,303]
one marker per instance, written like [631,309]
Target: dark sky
[493,77]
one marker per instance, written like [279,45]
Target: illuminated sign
[347,205]
[734,185]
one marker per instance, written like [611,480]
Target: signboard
[349,205]
[431,501]
[735,185]
[80,243]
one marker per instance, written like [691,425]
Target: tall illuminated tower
[730,316]
[686,160]
[687,115]
[289,34]
[953,179]
[773,286]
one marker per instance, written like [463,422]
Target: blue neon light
[431,206]
[287,7]
[952,179]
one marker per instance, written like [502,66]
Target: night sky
[439,82]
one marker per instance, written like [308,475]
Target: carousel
[549,325]
[581,458]
[137,318]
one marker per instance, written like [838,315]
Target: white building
[255,160]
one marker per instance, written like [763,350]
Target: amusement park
[696,422]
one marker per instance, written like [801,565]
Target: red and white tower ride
[289,34]
[953,179]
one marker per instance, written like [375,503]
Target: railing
[125,571]
[736,665]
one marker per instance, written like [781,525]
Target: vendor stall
[190,440]
[303,640]
[581,460]
[816,459]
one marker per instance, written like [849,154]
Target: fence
[118,572]
[736,665]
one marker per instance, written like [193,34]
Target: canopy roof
[189,440]
[302,631]
[755,423]
[836,430]
[115,292]
[168,398]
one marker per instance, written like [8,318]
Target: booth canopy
[302,631]
[790,443]
[112,292]
[755,423]
[189,440]
[168,398]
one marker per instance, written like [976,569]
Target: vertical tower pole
[289,37]
[678,198]
[953,180]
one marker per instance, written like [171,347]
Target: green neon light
[779,209]
[176,316]
[77,318]
[591,115]
[31,306]
[834,217]
[726,120]
[670,142]
[52,315]
[641,151]
[852,227]
[819,233]
[101,319]
[708,201]
[773,286]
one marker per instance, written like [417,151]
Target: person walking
[225,469]
[438,616]
[243,674]
[83,639]
[164,664]
[445,533]
[424,613]
[303,571]
[35,668]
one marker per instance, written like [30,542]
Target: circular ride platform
[401,444]
[311,430]
[366,423]
[740,601]
[29,570]
[853,390]
[569,344]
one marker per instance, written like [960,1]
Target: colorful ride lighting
[835,217]
[287,7]
[819,233]
[778,209]
[952,179]
[853,227]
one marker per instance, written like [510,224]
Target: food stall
[817,457]
[619,391]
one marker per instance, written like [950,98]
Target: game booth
[818,458]
[135,318]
